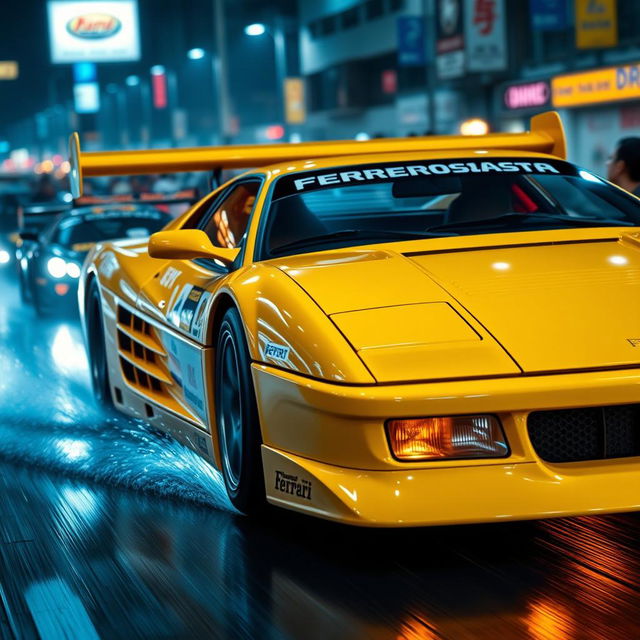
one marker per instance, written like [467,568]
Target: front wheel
[237,418]
[96,349]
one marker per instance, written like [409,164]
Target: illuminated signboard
[527,96]
[591,87]
[295,111]
[93,31]
[596,23]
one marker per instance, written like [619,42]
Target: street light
[277,34]
[132,81]
[195,54]
[157,70]
[255,29]
[219,84]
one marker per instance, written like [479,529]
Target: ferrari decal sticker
[185,367]
[292,485]
[276,351]
[434,168]
[301,182]
[169,277]
[189,312]
[174,315]
[189,307]
[198,323]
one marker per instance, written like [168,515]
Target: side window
[227,223]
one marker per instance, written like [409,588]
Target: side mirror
[186,244]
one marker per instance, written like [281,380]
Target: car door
[180,295]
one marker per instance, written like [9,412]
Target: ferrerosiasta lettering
[431,169]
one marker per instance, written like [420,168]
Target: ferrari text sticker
[276,351]
[433,168]
[293,485]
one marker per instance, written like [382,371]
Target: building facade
[493,60]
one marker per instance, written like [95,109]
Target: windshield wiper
[356,234]
[528,218]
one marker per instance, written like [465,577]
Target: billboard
[596,24]
[549,15]
[93,31]
[411,46]
[294,101]
[484,34]
[449,39]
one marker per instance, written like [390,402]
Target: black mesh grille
[594,433]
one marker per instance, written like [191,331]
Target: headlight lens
[58,268]
[447,437]
[4,256]
[73,270]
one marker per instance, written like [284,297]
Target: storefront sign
[450,39]
[591,87]
[93,31]
[596,24]
[548,15]
[527,96]
[485,35]
[411,50]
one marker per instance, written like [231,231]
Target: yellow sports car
[385,333]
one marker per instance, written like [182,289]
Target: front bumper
[325,451]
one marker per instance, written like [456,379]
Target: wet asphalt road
[110,531]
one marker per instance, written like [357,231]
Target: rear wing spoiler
[38,215]
[546,136]
[44,209]
[189,196]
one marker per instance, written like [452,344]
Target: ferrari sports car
[405,332]
[50,267]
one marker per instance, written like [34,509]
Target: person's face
[615,168]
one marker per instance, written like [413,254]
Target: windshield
[108,226]
[365,204]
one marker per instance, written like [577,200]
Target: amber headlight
[447,437]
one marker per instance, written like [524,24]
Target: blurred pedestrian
[623,166]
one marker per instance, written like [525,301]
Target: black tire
[237,418]
[96,349]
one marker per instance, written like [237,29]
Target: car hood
[475,311]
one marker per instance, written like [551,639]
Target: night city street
[320,320]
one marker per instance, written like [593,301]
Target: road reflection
[108,530]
